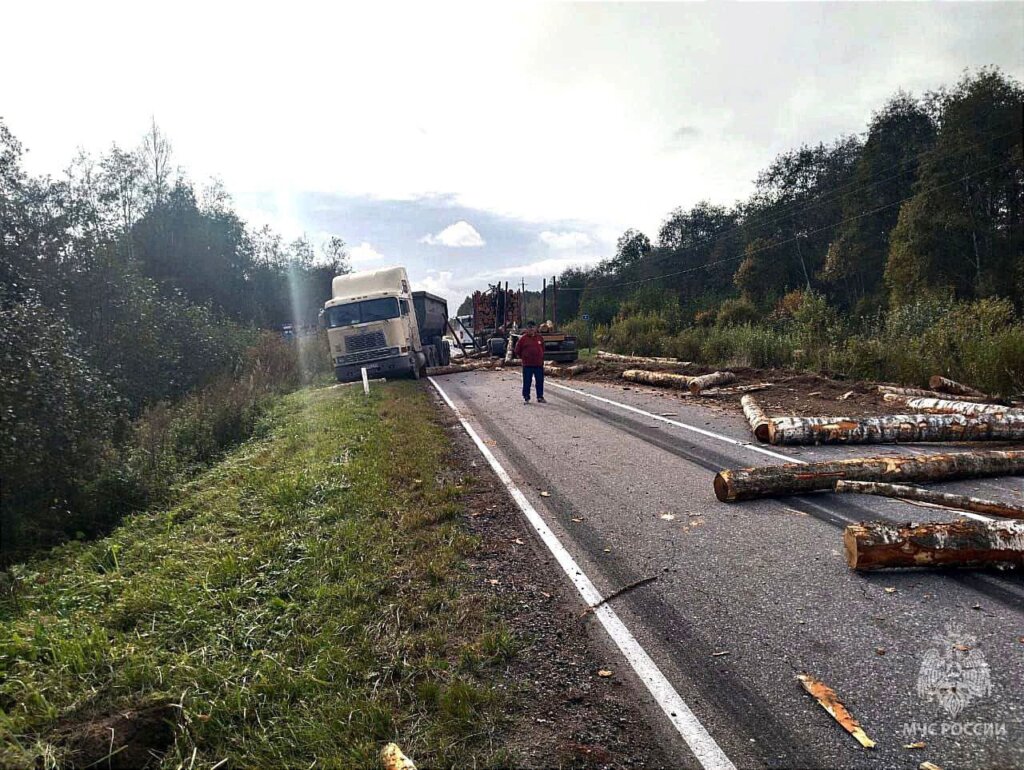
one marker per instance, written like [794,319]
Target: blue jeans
[530,373]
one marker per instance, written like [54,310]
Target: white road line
[703,746]
[701,431]
[718,436]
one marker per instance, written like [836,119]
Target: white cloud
[364,253]
[459,235]
[569,239]
[542,268]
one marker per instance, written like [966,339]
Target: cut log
[946,406]
[659,379]
[575,369]
[697,384]
[960,502]
[604,355]
[756,417]
[965,543]
[895,429]
[944,385]
[797,479]
[469,366]
[920,393]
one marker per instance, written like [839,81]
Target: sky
[483,141]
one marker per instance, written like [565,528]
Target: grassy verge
[302,602]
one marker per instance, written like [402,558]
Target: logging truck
[374,321]
[498,321]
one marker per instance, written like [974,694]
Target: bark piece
[960,502]
[895,429]
[797,479]
[965,543]
[756,417]
[829,701]
[659,379]
[944,385]
[697,384]
[920,392]
[947,406]
[469,366]
[392,758]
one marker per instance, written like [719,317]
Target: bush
[639,335]
[737,312]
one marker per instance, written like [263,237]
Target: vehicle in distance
[375,322]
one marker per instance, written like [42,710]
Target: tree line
[928,203]
[122,286]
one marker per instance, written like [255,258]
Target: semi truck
[375,321]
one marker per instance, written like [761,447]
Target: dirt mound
[128,740]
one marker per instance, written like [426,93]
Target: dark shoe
[540,400]
[526,400]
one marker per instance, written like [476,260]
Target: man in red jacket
[530,349]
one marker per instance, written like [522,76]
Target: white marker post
[366,382]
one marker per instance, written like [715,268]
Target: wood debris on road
[794,479]
[882,544]
[829,701]
[945,499]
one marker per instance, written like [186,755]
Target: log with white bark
[964,543]
[392,758]
[947,406]
[919,392]
[944,385]
[604,355]
[945,499]
[659,379]
[736,389]
[433,371]
[697,384]
[756,417]
[797,479]
[895,429]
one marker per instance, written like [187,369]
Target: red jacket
[530,348]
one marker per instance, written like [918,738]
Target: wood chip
[604,673]
[545,494]
[918,745]
[667,516]
[829,701]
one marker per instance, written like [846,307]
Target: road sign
[586,316]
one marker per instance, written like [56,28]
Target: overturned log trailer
[896,429]
[797,479]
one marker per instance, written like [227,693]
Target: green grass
[304,601]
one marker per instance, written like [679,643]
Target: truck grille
[366,355]
[358,343]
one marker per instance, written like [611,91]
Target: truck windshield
[362,312]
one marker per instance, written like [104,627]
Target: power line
[794,238]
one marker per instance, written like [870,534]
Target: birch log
[433,371]
[606,356]
[944,385]
[895,429]
[881,544]
[960,502]
[697,384]
[920,393]
[946,406]
[756,417]
[796,479]
[660,379]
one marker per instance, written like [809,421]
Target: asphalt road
[748,595]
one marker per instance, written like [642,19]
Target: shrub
[737,312]
[641,335]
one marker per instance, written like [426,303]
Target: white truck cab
[372,323]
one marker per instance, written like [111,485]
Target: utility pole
[544,301]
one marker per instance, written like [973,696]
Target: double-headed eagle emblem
[954,672]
